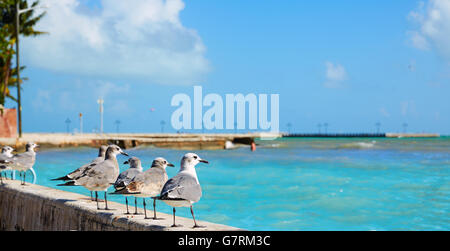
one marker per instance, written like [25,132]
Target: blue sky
[347,63]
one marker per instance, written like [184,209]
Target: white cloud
[433,26]
[335,75]
[418,40]
[133,38]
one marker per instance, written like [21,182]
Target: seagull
[183,190]
[4,155]
[148,183]
[23,161]
[127,176]
[78,172]
[99,176]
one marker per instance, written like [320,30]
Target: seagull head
[30,146]
[7,150]
[161,162]
[102,151]
[114,150]
[134,162]
[192,159]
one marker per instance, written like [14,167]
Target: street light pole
[68,121]
[100,102]
[81,123]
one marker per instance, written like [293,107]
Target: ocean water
[303,183]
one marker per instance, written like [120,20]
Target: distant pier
[361,135]
[335,135]
[184,141]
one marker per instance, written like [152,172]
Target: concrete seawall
[39,208]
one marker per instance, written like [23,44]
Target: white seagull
[127,176]
[148,184]
[22,162]
[184,189]
[78,172]
[4,155]
[100,176]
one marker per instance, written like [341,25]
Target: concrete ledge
[38,208]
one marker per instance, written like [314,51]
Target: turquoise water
[304,184]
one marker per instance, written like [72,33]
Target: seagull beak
[124,153]
[170,164]
[204,161]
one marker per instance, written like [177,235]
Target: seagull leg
[96,199]
[126,202]
[195,223]
[154,209]
[106,203]
[92,198]
[175,225]
[145,210]
[135,206]
[24,177]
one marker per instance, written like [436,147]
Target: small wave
[358,145]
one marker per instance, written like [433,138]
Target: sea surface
[303,183]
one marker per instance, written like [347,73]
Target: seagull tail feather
[62,178]
[70,183]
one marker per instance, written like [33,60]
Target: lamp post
[81,122]
[378,124]
[405,125]
[117,122]
[162,123]
[19,100]
[68,121]
[289,125]
[100,102]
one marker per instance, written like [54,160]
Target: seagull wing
[182,187]
[125,178]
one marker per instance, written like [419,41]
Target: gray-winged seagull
[127,176]
[184,189]
[99,176]
[22,162]
[4,155]
[76,173]
[148,183]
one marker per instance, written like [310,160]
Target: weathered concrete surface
[127,140]
[39,208]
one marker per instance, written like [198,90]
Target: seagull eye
[195,157]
